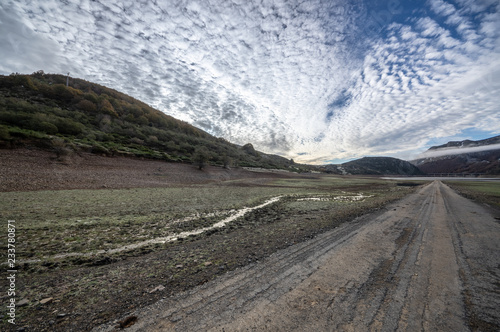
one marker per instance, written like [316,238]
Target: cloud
[314,81]
[19,41]
[457,150]
[441,7]
[416,84]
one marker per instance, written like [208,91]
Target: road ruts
[431,262]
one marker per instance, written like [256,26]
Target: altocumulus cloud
[312,80]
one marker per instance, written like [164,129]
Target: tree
[226,160]
[200,157]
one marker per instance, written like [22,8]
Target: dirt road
[430,262]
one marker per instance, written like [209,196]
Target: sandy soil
[33,169]
[430,262]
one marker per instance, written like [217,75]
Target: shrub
[4,133]
[106,108]
[19,80]
[99,149]
[68,126]
[142,120]
[60,147]
[135,140]
[91,97]
[62,92]
[13,118]
[86,106]
[153,139]
[19,105]
[46,127]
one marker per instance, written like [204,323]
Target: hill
[462,157]
[42,110]
[375,166]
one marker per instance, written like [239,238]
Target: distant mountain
[374,166]
[467,144]
[68,115]
[462,157]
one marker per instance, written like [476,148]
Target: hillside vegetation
[40,110]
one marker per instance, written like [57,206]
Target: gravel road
[430,262]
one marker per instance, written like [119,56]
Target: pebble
[157,288]
[22,303]
[47,300]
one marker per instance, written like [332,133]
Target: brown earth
[88,291]
[34,169]
[429,263]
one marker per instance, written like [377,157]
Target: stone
[157,288]
[22,303]
[47,300]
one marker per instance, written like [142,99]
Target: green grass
[482,191]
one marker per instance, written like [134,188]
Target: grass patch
[481,191]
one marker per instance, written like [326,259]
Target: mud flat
[430,262]
[92,255]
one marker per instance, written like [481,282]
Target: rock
[22,303]
[207,263]
[47,300]
[157,288]
[180,266]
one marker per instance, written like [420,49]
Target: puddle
[352,198]
[233,215]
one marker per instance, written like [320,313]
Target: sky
[319,81]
